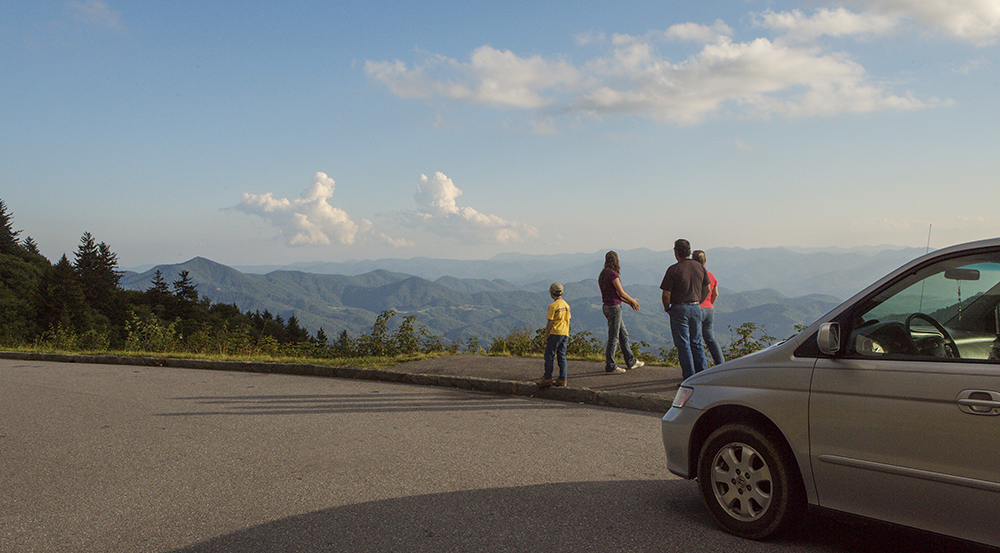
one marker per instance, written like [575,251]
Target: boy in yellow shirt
[556,337]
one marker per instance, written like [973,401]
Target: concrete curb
[621,400]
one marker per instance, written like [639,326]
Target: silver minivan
[888,407]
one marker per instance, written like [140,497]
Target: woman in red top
[708,313]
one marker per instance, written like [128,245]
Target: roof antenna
[923,282]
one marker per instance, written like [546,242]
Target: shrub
[745,342]
[148,333]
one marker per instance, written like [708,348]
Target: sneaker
[616,370]
[559,383]
[544,383]
[636,365]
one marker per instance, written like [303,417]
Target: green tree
[345,346]
[61,301]
[96,267]
[296,334]
[185,290]
[19,280]
[745,341]
[30,246]
[158,296]
[185,305]
[8,236]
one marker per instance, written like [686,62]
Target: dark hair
[683,248]
[698,256]
[611,262]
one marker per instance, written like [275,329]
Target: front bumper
[676,427]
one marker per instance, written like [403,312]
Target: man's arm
[666,300]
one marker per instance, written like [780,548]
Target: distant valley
[775,288]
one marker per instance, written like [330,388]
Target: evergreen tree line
[80,305]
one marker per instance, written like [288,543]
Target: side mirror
[828,338]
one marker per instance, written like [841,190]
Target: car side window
[946,310]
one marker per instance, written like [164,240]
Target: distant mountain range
[774,288]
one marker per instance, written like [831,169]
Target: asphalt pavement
[648,388]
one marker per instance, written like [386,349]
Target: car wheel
[749,482]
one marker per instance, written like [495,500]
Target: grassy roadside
[372,362]
[367,362]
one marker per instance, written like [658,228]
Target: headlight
[682,396]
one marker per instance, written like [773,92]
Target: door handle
[979,402]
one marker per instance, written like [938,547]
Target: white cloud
[972,66]
[789,74]
[439,213]
[698,33]
[759,78]
[309,220]
[396,242]
[491,76]
[830,22]
[974,21]
[96,13]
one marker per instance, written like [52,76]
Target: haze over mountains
[775,288]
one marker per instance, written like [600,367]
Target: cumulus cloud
[491,77]
[96,13]
[438,212]
[308,220]
[758,78]
[789,73]
[973,21]
[830,22]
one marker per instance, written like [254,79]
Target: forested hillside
[81,305]
[459,309]
[838,273]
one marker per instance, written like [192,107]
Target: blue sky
[270,133]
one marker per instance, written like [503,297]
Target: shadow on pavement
[373,402]
[639,516]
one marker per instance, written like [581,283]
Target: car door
[901,429]
[909,442]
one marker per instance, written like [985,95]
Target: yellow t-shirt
[559,315]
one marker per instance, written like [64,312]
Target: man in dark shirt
[685,285]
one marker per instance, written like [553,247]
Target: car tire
[749,482]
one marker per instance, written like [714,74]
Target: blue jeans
[555,352]
[685,327]
[617,334]
[708,334]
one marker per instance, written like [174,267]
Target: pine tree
[158,297]
[8,236]
[158,286]
[296,333]
[185,290]
[61,301]
[31,246]
[97,268]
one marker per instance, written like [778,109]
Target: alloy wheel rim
[741,480]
